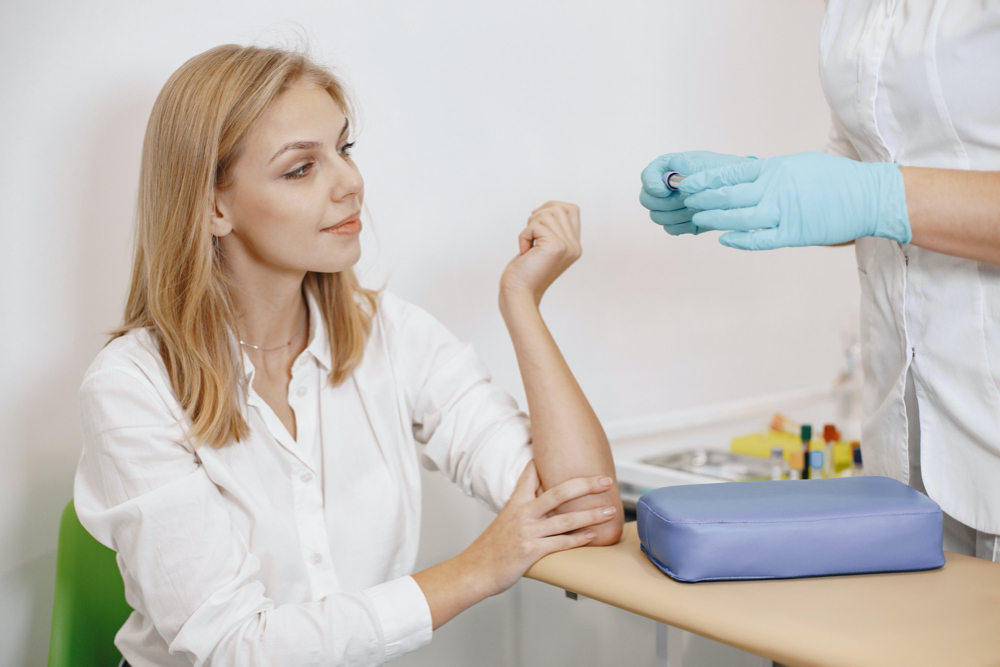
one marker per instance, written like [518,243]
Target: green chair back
[89,605]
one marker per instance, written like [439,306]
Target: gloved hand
[666,206]
[799,200]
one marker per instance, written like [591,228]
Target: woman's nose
[347,181]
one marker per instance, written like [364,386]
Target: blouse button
[316,559]
[301,391]
[307,477]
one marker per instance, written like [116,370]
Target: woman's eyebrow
[295,146]
[304,145]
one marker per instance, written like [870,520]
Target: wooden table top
[949,616]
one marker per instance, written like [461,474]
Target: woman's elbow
[609,532]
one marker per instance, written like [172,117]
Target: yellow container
[760,444]
[843,457]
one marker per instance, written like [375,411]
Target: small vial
[672,179]
[777,463]
[827,450]
[806,433]
[795,463]
[830,437]
[816,464]
[857,470]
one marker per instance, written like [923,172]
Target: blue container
[788,529]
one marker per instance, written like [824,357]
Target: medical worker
[912,177]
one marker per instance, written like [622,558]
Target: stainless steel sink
[714,463]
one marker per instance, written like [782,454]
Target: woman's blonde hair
[180,287]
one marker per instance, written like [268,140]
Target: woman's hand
[524,531]
[527,528]
[548,245]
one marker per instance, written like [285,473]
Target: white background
[473,113]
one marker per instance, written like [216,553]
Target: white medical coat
[918,83]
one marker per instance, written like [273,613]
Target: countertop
[949,616]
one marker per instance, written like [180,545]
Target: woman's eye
[346,149]
[300,172]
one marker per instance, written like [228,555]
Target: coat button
[301,391]
[316,559]
[307,477]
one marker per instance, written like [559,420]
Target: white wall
[473,114]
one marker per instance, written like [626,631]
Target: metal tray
[715,463]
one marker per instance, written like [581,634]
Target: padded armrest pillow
[788,529]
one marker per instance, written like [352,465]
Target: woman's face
[295,196]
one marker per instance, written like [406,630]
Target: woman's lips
[346,228]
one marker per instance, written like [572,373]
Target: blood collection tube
[671,179]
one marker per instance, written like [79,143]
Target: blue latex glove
[799,200]
[666,207]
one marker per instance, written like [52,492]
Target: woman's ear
[219,220]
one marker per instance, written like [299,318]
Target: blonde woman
[253,432]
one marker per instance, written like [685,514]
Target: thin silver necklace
[278,347]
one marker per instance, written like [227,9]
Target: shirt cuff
[404,614]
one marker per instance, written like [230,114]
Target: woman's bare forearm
[568,439]
[954,212]
[450,588]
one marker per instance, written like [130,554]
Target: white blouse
[277,551]
[918,83]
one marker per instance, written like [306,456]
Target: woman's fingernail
[589,534]
[608,511]
[605,481]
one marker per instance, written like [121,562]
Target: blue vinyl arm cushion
[788,529]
